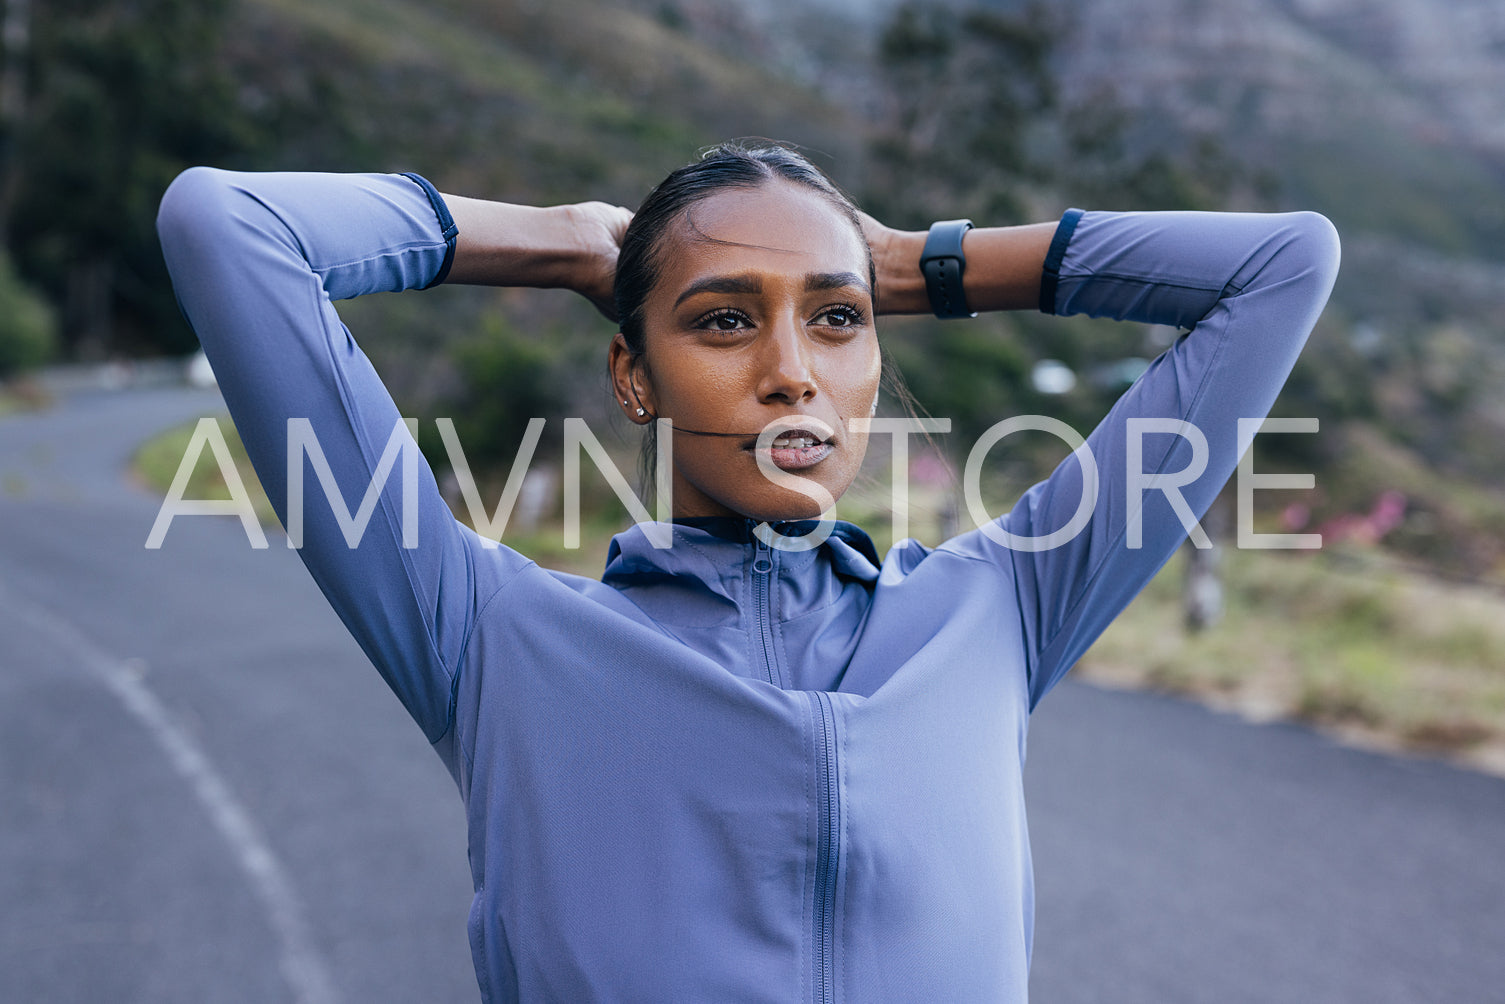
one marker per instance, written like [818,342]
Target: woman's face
[762,314]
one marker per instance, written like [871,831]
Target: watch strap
[943,265]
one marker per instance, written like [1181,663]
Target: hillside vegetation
[1004,111]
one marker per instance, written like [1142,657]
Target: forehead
[779,227]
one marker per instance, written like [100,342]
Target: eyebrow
[814,282]
[817,281]
[721,284]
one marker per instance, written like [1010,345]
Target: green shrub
[28,328]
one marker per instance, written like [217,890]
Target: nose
[788,376]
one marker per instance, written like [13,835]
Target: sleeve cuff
[451,231]
[1051,276]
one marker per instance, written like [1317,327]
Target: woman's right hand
[600,227]
[556,247]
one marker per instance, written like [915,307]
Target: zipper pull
[763,563]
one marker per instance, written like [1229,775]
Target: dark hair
[730,165]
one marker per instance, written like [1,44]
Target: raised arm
[1247,287]
[257,261]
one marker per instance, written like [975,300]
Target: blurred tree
[507,378]
[28,329]
[963,89]
[973,123]
[103,102]
[973,118]
[15,42]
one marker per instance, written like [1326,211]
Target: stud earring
[624,402]
[641,412]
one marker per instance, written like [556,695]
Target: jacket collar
[714,549]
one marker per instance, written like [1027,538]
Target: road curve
[206,794]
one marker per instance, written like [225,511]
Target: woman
[738,767]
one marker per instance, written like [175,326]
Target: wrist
[585,260]
[901,284]
[502,244]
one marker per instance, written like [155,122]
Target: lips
[797,449]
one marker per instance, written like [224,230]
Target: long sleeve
[1250,288]
[256,261]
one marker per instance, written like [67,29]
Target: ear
[630,382]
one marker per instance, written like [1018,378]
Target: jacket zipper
[827,787]
[827,851]
[763,605]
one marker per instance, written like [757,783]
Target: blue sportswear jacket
[727,772]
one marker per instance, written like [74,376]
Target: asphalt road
[207,795]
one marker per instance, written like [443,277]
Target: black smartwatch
[943,264]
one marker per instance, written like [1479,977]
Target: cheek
[853,382]
[693,387]
[856,396]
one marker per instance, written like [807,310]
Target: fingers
[622,218]
[614,219]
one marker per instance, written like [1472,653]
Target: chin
[780,505]
[739,488]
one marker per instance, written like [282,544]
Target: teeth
[793,442]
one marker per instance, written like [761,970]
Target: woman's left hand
[896,259]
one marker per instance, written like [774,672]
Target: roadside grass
[545,543]
[21,395]
[157,461]
[1341,639]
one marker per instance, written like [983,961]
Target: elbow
[192,209]
[1296,262]
[1314,250]
[208,217]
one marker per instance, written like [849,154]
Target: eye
[725,319]
[839,315]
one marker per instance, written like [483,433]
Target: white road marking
[301,966]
